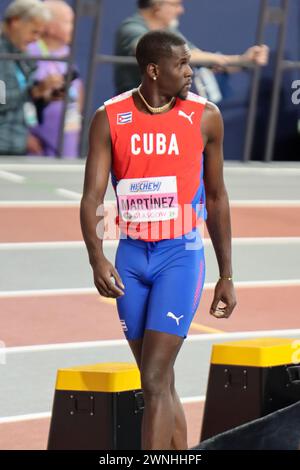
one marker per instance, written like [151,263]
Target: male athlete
[152,140]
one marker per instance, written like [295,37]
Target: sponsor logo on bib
[148,199]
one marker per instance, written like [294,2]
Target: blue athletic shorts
[163,284]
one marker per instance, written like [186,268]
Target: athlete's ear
[152,71]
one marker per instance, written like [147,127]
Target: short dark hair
[156,45]
[144,4]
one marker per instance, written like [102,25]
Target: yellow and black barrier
[97,407]
[249,379]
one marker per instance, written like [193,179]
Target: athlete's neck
[153,97]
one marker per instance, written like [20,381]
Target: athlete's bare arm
[217,204]
[95,184]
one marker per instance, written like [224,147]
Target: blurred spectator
[164,14]
[23,23]
[55,41]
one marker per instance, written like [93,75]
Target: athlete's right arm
[97,171]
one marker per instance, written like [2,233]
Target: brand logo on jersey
[177,319]
[187,116]
[124,118]
[157,144]
[145,186]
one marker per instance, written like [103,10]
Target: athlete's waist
[193,238]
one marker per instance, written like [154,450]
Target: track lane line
[238,241]
[92,290]
[12,177]
[123,342]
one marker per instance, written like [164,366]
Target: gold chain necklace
[161,109]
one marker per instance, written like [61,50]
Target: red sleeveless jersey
[157,167]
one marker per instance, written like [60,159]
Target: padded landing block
[250,379]
[97,407]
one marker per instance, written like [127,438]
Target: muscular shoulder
[100,115]
[100,125]
[211,111]
[212,122]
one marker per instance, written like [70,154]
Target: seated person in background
[164,14]
[55,41]
[23,22]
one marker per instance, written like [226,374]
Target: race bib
[148,199]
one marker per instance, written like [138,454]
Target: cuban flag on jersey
[124,118]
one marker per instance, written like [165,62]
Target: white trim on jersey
[118,98]
[198,99]
[123,96]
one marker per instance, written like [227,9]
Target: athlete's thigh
[136,346]
[176,292]
[132,306]
[159,353]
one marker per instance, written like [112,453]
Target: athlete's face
[175,73]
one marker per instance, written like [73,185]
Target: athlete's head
[163,58]
[166,12]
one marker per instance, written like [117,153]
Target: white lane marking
[72,203]
[27,417]
[68,194]
[41,245]
[272,171]
[261,240]
[114,243]
[32,204]
[65,346]
[264,203]
[91,290]
[79,167]
[47,414]
[48,292]
[5,175]
[243,335]
[43,167]
[123,342]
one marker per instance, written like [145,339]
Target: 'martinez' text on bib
[148,199]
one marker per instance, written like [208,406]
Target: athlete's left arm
[217,205]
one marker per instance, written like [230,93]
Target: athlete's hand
[103,272]
[224,292]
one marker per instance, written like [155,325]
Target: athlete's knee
[155,380]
